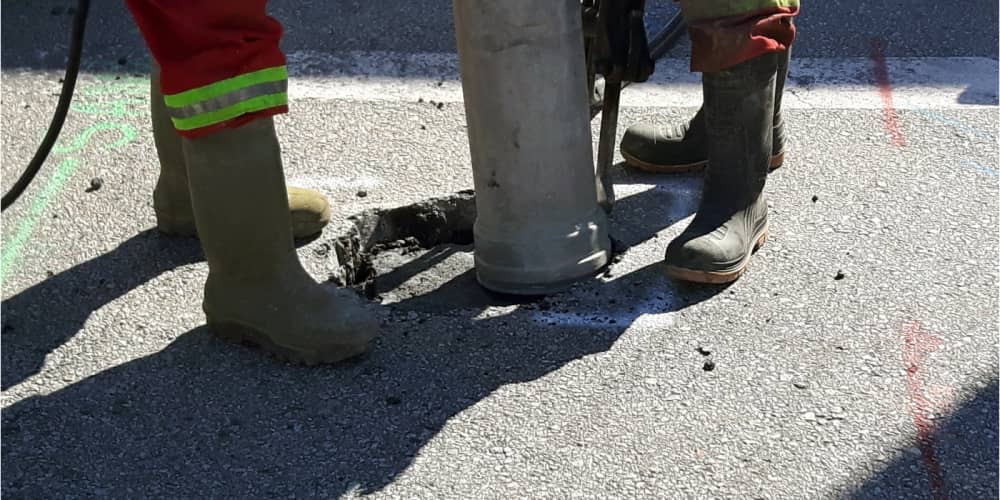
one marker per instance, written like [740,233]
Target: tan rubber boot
[172,202]
[171,198]
[257,291]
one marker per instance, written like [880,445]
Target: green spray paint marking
[12,250]
[128,133]
[118,108]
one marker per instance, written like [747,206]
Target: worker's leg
[257,290]
[731,221]
[199,55]
[223,78]
[172,199]
[717,42]
[741,47]
[725,33]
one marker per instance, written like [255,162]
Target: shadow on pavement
[636,219]
[963,449]
[36,33]
[978,96]
[205,419]
[44,316]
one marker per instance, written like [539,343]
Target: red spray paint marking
[917,346]
[885,89]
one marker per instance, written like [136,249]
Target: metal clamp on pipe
[616,48]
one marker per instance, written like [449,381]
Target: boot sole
[239,334]
[663,169]
[177,228]
[175,233]
[776,162]
[717,277]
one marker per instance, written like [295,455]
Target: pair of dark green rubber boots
[738,137]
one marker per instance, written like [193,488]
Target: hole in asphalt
[416,257]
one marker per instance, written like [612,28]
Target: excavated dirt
[417,257]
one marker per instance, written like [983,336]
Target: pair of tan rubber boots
[229,189]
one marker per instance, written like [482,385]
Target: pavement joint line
[26,226]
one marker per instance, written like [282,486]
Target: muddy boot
[681,148]
[731,221]
[172,201]
[671,149]
[778,134]
[257,290]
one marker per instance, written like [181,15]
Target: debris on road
[95,184]
[322,250]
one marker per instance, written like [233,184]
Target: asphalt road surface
[856,359]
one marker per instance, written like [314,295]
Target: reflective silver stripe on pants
[225,100]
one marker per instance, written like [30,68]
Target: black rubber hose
[659,45]
[665,40]
[62,108]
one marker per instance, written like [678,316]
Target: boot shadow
[202,418]
[635,219]
[43,317]
[670,199]
[206,419]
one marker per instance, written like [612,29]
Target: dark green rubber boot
[731,221]
[678,148]
[257,291]
[310,210]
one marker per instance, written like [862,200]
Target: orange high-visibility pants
[725,33]
[220,63]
